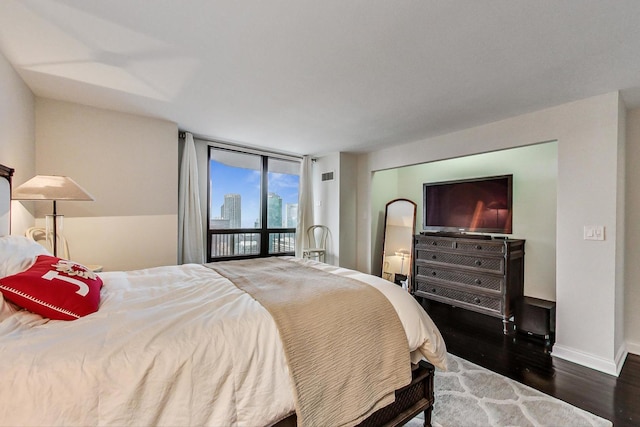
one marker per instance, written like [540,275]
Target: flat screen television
[481,205]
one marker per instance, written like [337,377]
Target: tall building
[291,214]
[274,211]
[232,210]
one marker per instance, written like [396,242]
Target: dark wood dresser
[482,275]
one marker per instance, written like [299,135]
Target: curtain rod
[183,134]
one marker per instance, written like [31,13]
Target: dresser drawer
[494,283]
[444,293]
[429,242]
[481,246]
[476,262]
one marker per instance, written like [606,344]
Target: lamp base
[55,241]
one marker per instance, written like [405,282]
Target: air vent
[327,176]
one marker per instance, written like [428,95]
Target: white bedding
[175,345]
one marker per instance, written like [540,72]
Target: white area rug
[470,395]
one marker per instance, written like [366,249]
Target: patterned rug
[470,395]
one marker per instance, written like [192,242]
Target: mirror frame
[409,244]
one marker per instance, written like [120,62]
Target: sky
[246,182]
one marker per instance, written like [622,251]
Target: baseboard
[633,347]
[621,356]
[608,366]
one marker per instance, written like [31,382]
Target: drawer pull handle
[433,273]
[478,263]
[476,300]
[434,243]
[433,257]
[433,290]
[478,282]
[478,247]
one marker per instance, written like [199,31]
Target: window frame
[264,231]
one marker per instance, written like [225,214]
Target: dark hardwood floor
[479,339]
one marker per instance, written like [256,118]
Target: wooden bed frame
[410,400]
[5,228]
[6,172]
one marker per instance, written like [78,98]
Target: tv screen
[478,205]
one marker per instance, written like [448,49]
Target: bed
[197,345]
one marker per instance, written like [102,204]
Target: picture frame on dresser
[473,272]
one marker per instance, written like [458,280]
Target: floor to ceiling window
[253,204]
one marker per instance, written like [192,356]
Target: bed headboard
[5,199]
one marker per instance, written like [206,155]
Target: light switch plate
[594,232]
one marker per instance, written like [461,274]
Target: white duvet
[175,346]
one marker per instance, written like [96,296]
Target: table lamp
[403,253]
[51,187]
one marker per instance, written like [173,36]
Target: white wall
[130,165]
[534,170]
[587,285]
[335,206]
[621,229]
[17,138]
[326,203]
[632,249]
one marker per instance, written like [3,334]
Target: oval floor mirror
[399,226]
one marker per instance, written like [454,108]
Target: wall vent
[327,176]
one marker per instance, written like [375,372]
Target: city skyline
[277,215]
[227,180]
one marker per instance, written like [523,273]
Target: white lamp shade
[50,187]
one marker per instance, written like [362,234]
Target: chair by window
[317,235]
[39,235]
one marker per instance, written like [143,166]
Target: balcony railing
[231,244]
[282,242]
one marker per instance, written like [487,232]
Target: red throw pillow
[54,288]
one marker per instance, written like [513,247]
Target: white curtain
[305,204]
[191,241]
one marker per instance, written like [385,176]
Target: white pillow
[17,253]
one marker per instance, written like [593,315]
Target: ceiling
[318,76]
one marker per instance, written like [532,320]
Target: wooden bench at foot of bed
[410,401]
